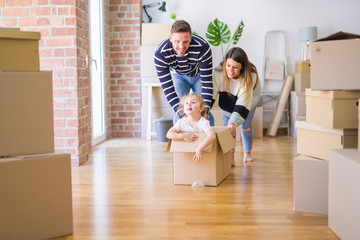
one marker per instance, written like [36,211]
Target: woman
[238,89]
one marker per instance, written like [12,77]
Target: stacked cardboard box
[331,112]
[154,104]
[36,200]
[297,103]
[344,195]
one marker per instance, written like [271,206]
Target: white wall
[261,16]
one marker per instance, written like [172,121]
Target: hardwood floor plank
[125,191]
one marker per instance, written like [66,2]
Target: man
[183,63]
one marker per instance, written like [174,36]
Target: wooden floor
[125,191]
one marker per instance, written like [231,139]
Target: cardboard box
[344,194]
[332,109]
[359,125]
[36,197]
[19,50]
[335,62]
[148,69]
[26,106]
[316,141]
[302,66]
[215,164]
[154,33]
[301,81]
[297,103]
[311,181]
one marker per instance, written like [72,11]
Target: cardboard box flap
[318,128]
[15,34]
[179,145]
[333,94]
[225,139]
[338,36]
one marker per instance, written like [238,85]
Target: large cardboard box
[335,62]
[344,194]
[148,69]
[154,33]
[316,141]
[215,164]
[26,107]
[311,181]
[36,197]
[332,109]
[301,81]
[302,66]
[19,50]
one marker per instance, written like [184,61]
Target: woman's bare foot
[232,159]
[247,157]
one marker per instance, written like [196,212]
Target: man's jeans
[183,84]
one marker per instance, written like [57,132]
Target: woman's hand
[232,128]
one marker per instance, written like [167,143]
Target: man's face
[180,42]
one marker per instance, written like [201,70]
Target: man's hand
[206,116]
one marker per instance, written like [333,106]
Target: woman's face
[233,68]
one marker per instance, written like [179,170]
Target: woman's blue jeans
[247,136]
[183,84]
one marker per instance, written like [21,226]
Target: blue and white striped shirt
[197,60]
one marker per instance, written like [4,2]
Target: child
[194,109]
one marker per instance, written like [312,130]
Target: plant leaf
[217,33]
[238,33]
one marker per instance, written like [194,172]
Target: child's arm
[174,134]
[210,137]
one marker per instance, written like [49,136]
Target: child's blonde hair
[198,97]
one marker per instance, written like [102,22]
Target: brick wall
[64,26]
[125,68]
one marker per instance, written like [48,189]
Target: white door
[96,61]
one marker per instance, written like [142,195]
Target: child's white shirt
[183,125]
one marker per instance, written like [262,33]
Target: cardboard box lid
[223,137]
[318,128]
[333,94]
[338,36]
[16,34]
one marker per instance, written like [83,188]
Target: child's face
[192,105]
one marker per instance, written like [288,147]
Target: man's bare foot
[247,157]
[232,159]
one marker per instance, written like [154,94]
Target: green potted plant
[218,33]
[173,17]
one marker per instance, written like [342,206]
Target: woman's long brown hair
[238,54]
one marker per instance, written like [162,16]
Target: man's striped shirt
[197,60]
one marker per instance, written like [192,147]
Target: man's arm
[162,66]
[206,73]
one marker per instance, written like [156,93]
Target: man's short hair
[180,26]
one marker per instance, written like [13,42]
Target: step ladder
[275,72]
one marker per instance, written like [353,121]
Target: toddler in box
[193,121]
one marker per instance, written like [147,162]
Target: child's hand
[190,137]
[197,155]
